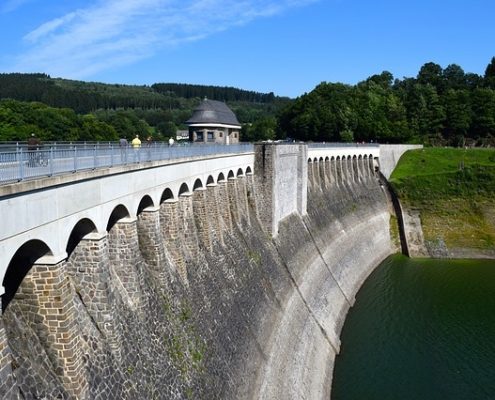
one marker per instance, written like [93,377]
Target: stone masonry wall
[167,307]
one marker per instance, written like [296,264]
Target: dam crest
[225,277]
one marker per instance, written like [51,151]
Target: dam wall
[390,155]
[221,292]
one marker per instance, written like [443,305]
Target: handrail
[22,162]
[340,144]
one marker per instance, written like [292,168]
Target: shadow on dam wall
[180,305]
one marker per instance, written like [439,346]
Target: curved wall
[194,299]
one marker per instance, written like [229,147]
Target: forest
[66,110]
[440,106]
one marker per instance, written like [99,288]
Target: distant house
[213,122]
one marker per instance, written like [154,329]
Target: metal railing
[19,162]
[339,144]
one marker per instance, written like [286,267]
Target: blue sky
[285,46]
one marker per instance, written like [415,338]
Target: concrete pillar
[225,214]
[89,268]
[242,201]
[201,218]
[311,180]
[328,172]
[371,166]
[355,170]
[340,170]
[169,223]
[151,243]
[48,297]
[322,173]
[8,388]
[233,203]
[343,173]
[125,259]
[213,206]
[187,228]
[348,171]
[251,192]
[333,172]
[317,174]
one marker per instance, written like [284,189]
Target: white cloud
[115,32]
[11,5]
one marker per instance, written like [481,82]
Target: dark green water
[420,330]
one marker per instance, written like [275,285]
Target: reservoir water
[420,329]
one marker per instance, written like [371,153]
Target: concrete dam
[220,278]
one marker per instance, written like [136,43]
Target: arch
[327,158]
[117,214]
[310,160]
[166,195]
[145,202]
[332,158]
[197,184]
[221,177]
[321,159]
[81,229]
[315,160]
[239,172]
[210,180]
[20,264]
[230,175]
[249,170]
[183,189]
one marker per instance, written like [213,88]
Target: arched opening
[239,172]
[248,170]
[221,177]
[166,195]
[183,189]
[210,180]
[20,264]
[230,175]
[145,202]
[118,213]
[197,184]
[81,229]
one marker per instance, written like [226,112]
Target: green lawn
[454,191]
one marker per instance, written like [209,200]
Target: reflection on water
[420,329]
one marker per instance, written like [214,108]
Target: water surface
[420,329]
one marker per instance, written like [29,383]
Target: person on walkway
[34,146]
[123,149]
[171,142]
[136,143]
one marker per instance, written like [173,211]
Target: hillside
[453,190]
[57,108]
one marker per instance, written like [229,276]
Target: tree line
[96,111]
[440,106]
[213,92]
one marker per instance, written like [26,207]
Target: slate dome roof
[213,112]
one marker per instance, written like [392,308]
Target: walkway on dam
[18,163]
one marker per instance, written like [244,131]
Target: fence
[18,162]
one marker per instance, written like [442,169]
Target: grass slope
[454,190]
